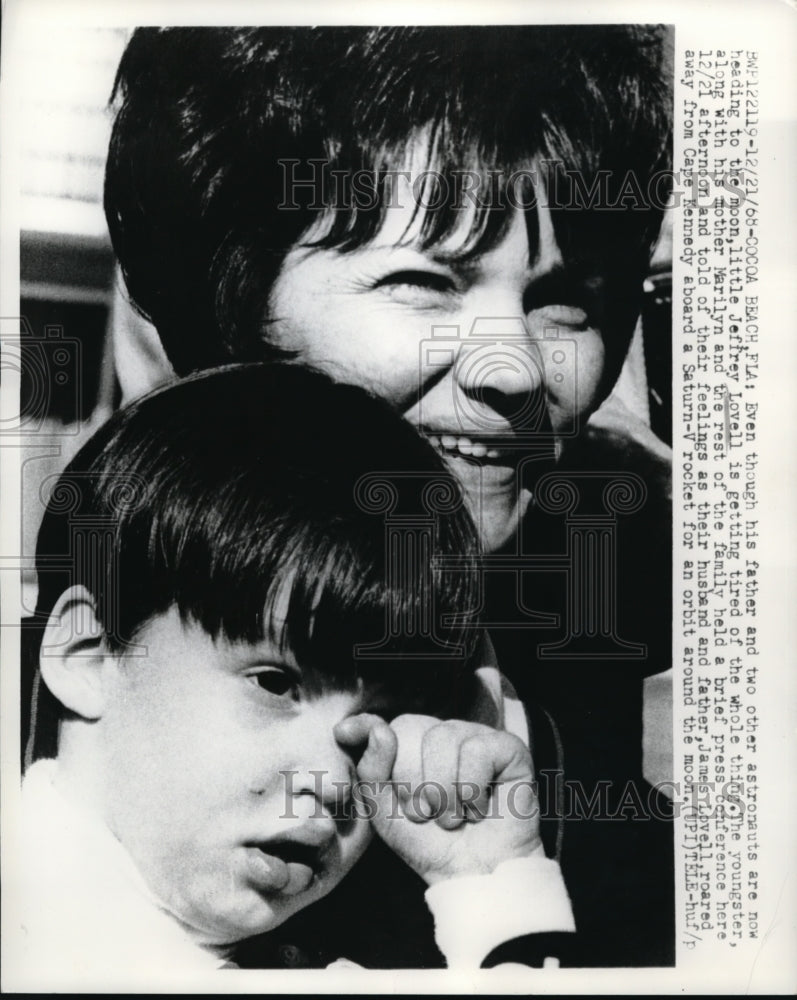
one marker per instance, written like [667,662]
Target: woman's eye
[571,316]
[568,299]
[416,286]
[274,680]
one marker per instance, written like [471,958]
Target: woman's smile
[479,354]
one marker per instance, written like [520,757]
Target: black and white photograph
[395,561]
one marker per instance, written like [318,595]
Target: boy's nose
[325,772]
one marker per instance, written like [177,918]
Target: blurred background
[67,277]
[67,272]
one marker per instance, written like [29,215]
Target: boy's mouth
[287,867]
[294,852]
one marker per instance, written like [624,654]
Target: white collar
[86,909]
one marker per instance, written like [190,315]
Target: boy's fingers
[476,770]
[413,803]
[440,763]
[441,770]
[410,731]
[499,765]
[376,762]
[510,757]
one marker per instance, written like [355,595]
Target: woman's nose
[500,365]
[499,369]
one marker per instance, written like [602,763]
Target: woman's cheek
[573,375]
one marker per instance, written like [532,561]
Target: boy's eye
[274,680]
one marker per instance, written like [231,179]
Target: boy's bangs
[327,599]
[228,497]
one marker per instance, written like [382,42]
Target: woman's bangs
[454,187]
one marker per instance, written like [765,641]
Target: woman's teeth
[452,444]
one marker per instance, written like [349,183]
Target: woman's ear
[73,655]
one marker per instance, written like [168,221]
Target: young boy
[217,736]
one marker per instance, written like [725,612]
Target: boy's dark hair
[196,195]
[222,491]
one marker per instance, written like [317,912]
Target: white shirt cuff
[473,914]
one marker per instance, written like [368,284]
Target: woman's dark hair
[214,124]
[224,492]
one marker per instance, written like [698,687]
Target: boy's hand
[450,798]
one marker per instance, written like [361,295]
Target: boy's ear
[73,657]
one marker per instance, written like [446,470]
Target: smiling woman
[363,315]
[497,191]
